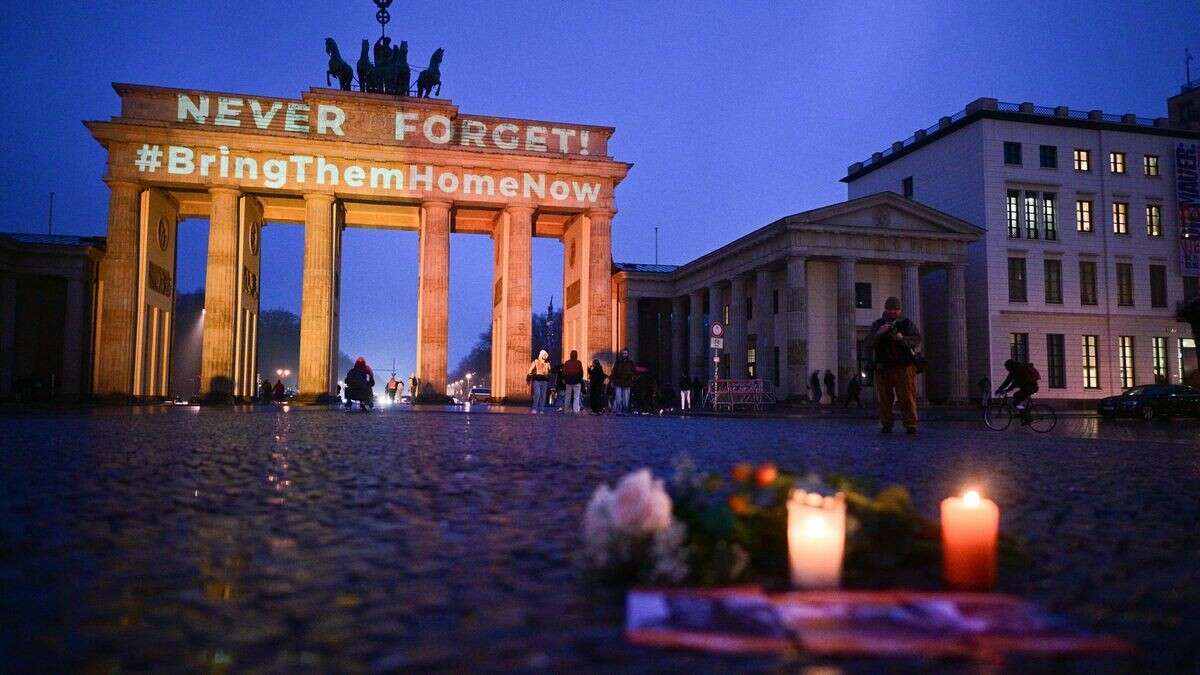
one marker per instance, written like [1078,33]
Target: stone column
[74,335]
[764,321]
[599,327]
[119,292]
[796,355]
[737,329]
[910,300]
[316,300]
[632,325]
[433,287]
[715,302]
[846,324]
[679,355]
[957,334]
[220,297]
[518,302]
[697,337]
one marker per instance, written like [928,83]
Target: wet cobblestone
[319,541]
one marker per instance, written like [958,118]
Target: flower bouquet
[712,529]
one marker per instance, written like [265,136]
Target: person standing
[572,376]
[390,388]
[279,392]
[697,392]
[596,378]
[814,386]
[831,386]
[622,380]
[853,391]
[539,373]
[685,392]
[892,340]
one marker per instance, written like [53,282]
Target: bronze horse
[337,67]
[431,77]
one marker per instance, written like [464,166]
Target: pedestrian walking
[572,376]
[622,380]
[853,390]
[596,378]
[685,392]
[539,373]
[892,341]
[814,386]
[279,392]
[390,388]
[831,386]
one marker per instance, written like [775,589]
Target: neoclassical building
[798,295]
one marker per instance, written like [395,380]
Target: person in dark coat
[831,386]
[623,374]
[572,377]
[279,392]
[360,385]
[596,392]
[697,392]
[264,391]
[814,386]
[853,390]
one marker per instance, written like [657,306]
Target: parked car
[479,394]
[1151,401]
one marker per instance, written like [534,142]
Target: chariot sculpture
[383,68]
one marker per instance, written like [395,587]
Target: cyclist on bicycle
[1024,378]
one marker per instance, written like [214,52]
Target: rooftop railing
[1026,108]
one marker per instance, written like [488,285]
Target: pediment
[884,213]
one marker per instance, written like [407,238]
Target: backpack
[1032,373]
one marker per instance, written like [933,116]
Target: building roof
[53,239]
[645,267]
[990,108]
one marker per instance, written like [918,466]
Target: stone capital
[325,197]
[224,190]
[436,204]
[121,184]
[601,213]
[518,209]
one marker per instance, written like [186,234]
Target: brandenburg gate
[329,160]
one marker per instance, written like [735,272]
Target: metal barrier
[733,394]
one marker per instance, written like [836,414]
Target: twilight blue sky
[733,113]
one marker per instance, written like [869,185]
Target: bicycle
[998,413]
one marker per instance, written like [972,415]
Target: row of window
[1033,215]
[1081,158]
[1052,275]
[1056,360]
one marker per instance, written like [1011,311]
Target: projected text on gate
[422,127]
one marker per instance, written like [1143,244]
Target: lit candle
[816,538]
[970,525]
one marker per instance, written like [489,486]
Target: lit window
[1124,284]
[1049,216]
[1031,209]
[1116,162]
[1154,220]
[1125,359]
[1083,160]
[1091,362]
[1083,215]
[1018,344]
[1013,212]
[1120,217]
[1150,165]
[1160,359]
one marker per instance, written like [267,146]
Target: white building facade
[1079,271]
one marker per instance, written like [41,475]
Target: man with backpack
[1024,378]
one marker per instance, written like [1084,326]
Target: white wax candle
[816,538]
[970,526]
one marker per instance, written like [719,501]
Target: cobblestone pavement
[317,540]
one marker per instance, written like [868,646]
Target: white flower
[640,505]
[597,519]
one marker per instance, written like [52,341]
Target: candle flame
[971,499]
